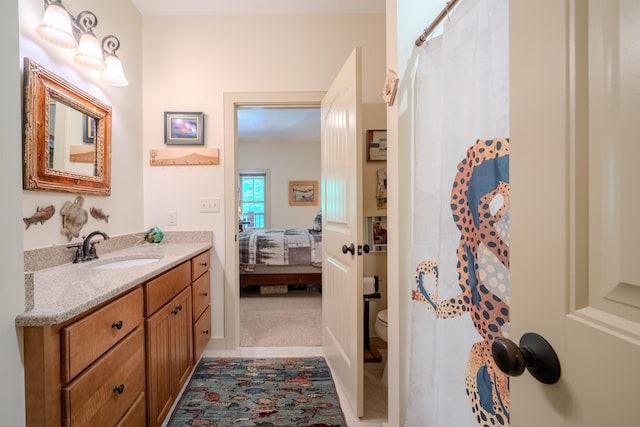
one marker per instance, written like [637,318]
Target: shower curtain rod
[423,37]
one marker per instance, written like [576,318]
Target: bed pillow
[317,222]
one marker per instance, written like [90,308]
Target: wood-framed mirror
[67,136]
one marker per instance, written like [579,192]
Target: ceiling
[257,7]
[278,124]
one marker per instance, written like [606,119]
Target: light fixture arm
[86,21]
[110,44]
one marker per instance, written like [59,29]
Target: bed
[287,256]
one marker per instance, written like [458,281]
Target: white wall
[11,261]
[191,62]
[125,205]
[286,161]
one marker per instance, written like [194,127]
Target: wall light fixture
[60,28]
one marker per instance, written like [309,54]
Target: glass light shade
[89,52]
[56,27]
[113,74]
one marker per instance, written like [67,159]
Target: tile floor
[309,351]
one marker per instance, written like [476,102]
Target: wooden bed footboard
[278,277]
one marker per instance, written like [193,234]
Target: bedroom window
[253,187]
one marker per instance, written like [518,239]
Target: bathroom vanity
[111,342]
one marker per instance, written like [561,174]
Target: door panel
[342,225]
[575,273]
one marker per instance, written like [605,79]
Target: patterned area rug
[260,393]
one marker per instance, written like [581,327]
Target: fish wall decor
[73,218]
[99,214]
[41,215]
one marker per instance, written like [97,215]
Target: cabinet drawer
[102,395]
[200,264]
[87,339]
[201,333]
[163,288]
[201,294]
[136,416]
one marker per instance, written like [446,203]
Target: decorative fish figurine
[98,214]
[40,216]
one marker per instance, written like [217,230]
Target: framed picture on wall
[377,233]
[88,129]
[303,193]
[183,128]
[376,145]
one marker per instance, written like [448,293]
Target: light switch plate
[209,204]
[172,218]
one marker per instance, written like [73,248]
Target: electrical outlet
[173,218]
[209,204]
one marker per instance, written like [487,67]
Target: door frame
[231,278]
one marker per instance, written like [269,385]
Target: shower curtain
[460,298]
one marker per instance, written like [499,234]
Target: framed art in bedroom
[183,128]
[303,193]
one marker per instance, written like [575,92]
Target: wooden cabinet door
[159,385]
[169,355]
[181,339]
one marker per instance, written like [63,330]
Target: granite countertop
[66,291]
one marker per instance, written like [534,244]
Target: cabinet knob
[117,325]
[204,294]
[204,264]
[176,310]
[206,332]
[119,389]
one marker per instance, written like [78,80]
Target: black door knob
[533,353]
[351,248]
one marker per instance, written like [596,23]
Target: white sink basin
[125,263]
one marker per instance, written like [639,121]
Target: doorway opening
[234,102]
[279,241]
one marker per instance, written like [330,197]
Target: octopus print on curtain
[460,298]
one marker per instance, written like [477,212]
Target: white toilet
[381,329]
[381,325]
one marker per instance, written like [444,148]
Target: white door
[575,176]
[342,226]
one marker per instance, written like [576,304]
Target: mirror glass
[67,138]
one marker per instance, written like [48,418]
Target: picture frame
[88,129]
[183,128]
[303,193]
[377,233]
[377,145]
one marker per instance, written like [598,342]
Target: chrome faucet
[89,247]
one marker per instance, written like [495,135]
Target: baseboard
[216,344]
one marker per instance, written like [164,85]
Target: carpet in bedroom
[246,392]
[281,320]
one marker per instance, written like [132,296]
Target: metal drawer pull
[204,264]
[117,325]
[119,389]
[176,310]
[204,294]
